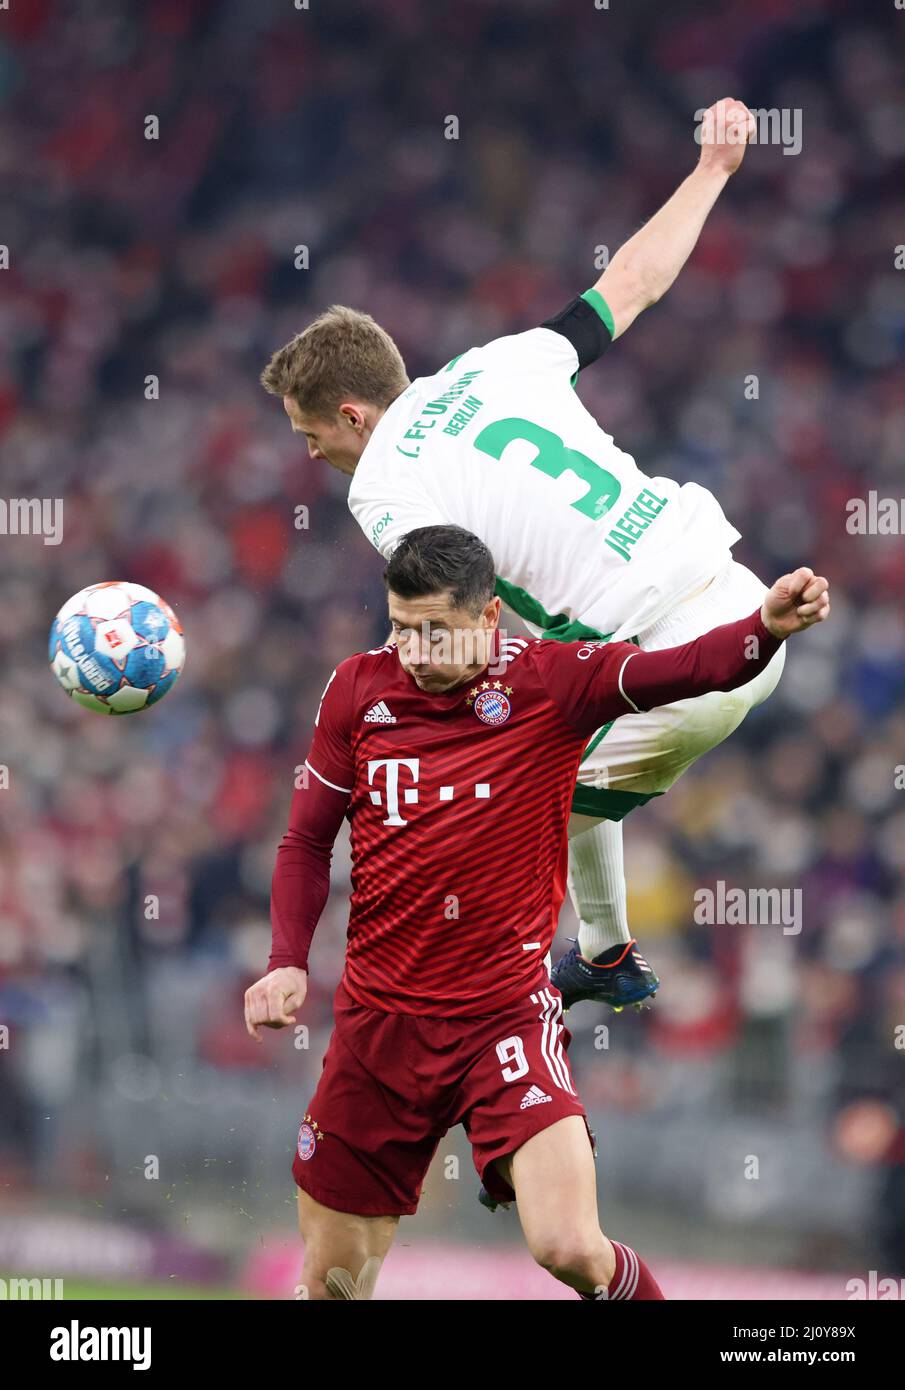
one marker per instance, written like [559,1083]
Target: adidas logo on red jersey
[379,714]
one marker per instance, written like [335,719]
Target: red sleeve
[330,754]
[593,684]
[301,878]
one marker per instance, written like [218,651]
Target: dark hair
[432,559]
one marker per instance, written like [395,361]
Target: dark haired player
[445,1013]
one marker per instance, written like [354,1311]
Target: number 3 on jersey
[554,458]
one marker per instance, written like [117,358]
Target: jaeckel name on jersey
[497,441]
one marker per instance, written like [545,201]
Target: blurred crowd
[300,159]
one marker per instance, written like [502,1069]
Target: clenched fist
[723,135]
[269,1003]
[795,602]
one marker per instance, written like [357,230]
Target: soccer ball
[116,647]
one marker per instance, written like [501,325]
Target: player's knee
[566,1254]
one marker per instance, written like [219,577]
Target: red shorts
[393,1084]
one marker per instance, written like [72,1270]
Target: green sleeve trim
[560,628]
[601,308]
[607,803]
[601,733]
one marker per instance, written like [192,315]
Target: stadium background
[176,258]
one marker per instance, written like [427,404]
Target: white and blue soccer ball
[116,647]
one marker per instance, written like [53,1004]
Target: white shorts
[638,756]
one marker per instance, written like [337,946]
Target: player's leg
[364,1146]
[597,881]
[606,959]
[343,1251]
[561,1229]
[633,759]
[554,1180]
[531,1143]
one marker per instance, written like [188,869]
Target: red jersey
[458,806]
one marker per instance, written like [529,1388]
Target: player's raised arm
[730,655]
[592,685]
[644,268]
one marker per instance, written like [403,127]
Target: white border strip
[347,790]
[621,686]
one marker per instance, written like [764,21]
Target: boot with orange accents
[616,977]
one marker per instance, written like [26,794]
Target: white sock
[597,887]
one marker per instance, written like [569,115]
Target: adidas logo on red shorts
[534,1096]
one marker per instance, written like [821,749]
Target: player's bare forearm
[645,267]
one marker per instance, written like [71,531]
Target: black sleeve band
[584,328]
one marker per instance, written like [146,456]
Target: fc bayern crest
[492,707]
[307,1142]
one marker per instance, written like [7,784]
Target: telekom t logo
[392,766]
[409,794]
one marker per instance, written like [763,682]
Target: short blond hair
[342,354]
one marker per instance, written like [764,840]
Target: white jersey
[585,544]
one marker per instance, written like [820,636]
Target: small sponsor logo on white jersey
[379,714]
[534,1096]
